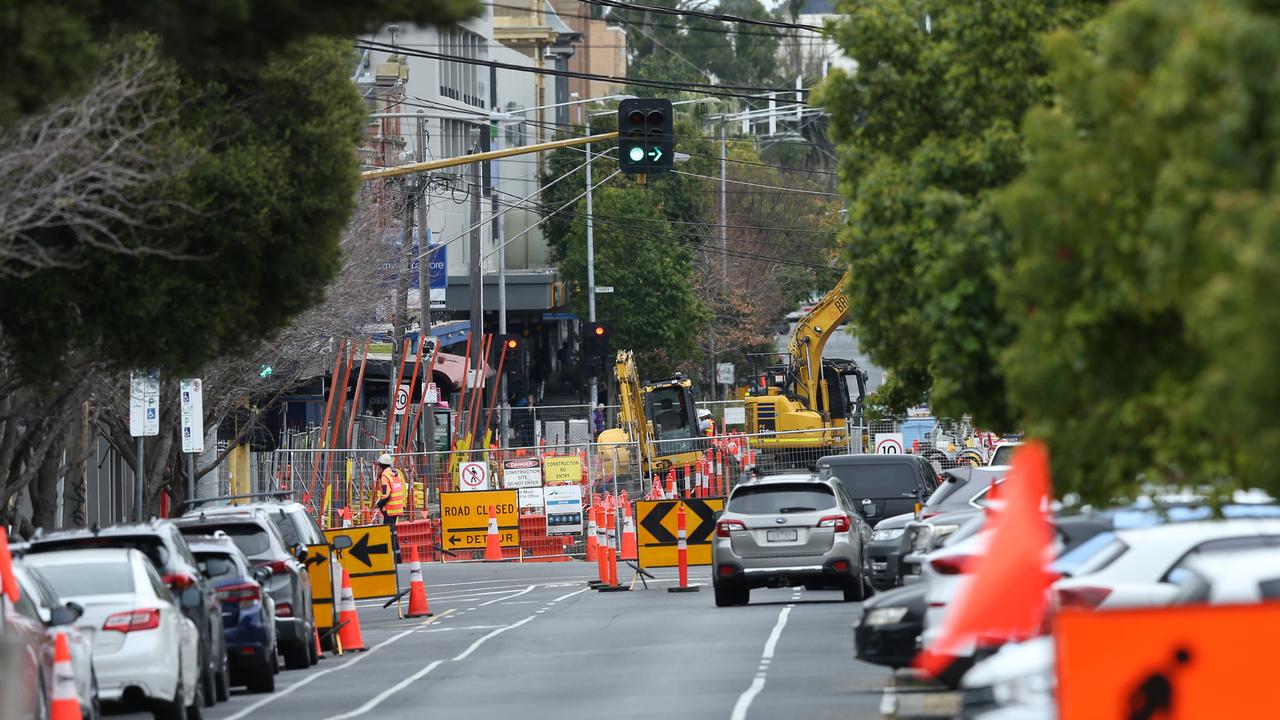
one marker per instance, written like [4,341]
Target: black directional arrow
[701,533]
[653,523]
[453,539]
[362,550]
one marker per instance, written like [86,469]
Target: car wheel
[95,705]
[195,711]
[42,701]
[860,590]
[744,595]
[312,652]
[263,678]
[297,656]
[170,709]
[814,587]
[274,659]
[208,693]
[224,683]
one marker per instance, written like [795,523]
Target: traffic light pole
[591,265]
[496,232]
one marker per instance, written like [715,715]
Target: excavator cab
[843,400]
[675,418]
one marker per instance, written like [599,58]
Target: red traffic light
[512,344]
[599,330]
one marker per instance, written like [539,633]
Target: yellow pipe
[481,157]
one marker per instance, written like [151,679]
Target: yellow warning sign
[323,585]
[464,518]
[656,528]
[562,469]
[369,561]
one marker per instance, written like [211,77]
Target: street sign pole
[591,260]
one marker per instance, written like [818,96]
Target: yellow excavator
[807,400]
[660,417]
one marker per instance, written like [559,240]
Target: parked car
[1134,568]
[145,650]
[1245,577]
[248,613]
[253,531]
[26,689]
[59,616]
[882,485]
[164,546]
[1002,453]
[923,537]
[889,629]
[785,531]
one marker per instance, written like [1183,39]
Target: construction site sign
[562,469]
[464,518]
[473,476]
[563,509]
[521,473]
[1187,661]
[656,530]
[369,561]
[324,587]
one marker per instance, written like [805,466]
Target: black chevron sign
[658,524]
[652,521]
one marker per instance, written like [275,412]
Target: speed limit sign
[473,476]
[888,443]
[402,399]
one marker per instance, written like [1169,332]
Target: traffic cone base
[348,620]
[66,700]
[418,606]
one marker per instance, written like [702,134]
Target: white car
[1133,567]
[53,612]
[144,649]
[1239,578]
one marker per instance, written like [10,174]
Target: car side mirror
[65,614]
[300,552]
[262,574]
[191,598]
[342,542]
[867,508]
[715,517]
[204,568]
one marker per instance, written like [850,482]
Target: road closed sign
[473,476]
[464,518]
[888,443]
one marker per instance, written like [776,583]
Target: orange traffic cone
[66,701]
[349,638]
[671,484]
[315,632]
[591,532]
[417,590]
[628,530]
[492,543]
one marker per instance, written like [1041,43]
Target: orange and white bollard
[591,531]
[629,548]
[349,636]
[688,480]
[66,699]
[601,572]
[493,543]
[418,606]
[719,471]
[682,554]
[671,484]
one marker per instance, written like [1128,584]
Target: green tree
[652,309]
[1144,286]
[928,126]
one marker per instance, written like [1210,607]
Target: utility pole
[495,231]
[591,261]
[477,278]
[724,212]
[424,286]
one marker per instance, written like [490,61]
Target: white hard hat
[385,459]
[704,413]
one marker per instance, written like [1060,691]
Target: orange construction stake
[324,426]
[404,356]
[682,554]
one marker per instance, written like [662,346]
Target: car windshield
[287,529]
[1003,455]
[149,545]
[78,579]
[218,566]
[777,498]
[876,480]
[252,540]
[1091,555]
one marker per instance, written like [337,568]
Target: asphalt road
[531,641]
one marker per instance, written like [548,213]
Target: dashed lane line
[495,633]
[748,696]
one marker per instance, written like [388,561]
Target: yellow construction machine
[659,417]
[801,408]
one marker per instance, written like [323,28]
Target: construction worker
[391,497]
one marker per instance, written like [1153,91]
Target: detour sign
[464,518]
[1175,663]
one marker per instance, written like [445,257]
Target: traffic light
[595,347]
[646,140]
[515,364]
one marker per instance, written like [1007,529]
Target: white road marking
[468,627]
[743,704]
[311,678]
[490,582]
[475,645]
[376,700]
[521,602]
[569,595]
[528,589]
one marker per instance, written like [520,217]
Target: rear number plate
[781,535]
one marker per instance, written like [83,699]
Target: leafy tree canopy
[928,126]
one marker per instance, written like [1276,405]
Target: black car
[161,542]
[256,535]
[882,485]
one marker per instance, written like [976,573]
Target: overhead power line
[704,88]
[666,26]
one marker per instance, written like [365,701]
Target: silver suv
[785,531]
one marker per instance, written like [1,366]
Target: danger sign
[473,476]
[888,443]
[464,518]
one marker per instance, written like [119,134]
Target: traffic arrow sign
[362,550]
[652,521]
[657,154]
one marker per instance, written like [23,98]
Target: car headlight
[885,616]
[893,534]
[941,532]
[1034,689]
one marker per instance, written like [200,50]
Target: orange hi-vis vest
[393,488]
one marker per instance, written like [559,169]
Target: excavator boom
[810,338]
